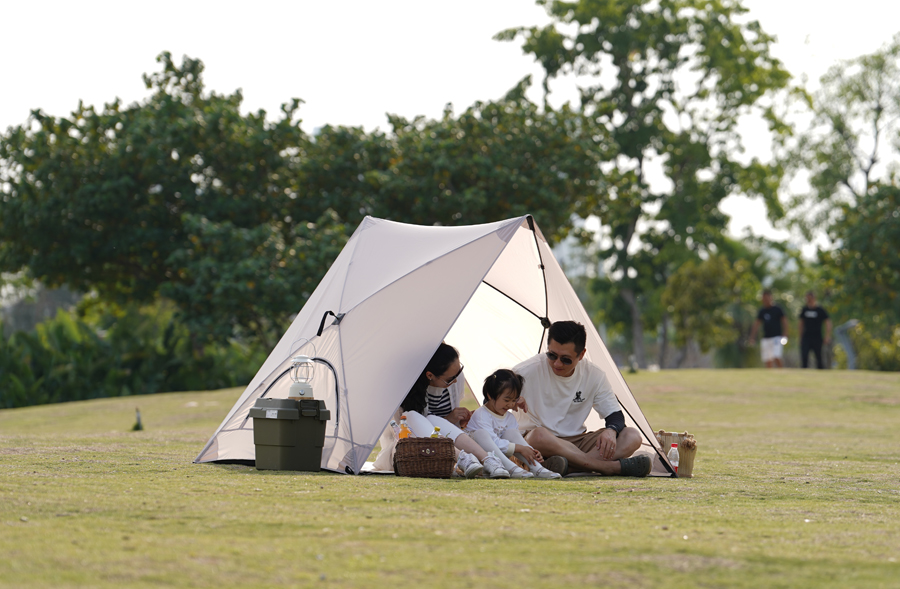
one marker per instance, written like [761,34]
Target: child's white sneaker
[544,473]
[494,468]
[520,473]
[469,465]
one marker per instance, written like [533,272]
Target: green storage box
[288,434]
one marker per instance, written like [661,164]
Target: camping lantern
[301,374]
[289,434]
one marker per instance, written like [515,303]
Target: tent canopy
[392,295]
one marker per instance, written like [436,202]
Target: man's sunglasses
[564,359]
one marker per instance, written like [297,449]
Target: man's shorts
[771,348]
[585,442]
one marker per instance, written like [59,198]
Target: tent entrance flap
[395,292]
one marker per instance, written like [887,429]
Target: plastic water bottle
[405,432]
[396,429]
[673,456]
[436,433]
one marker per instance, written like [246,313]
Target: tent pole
[545,320]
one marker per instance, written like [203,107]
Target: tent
[392,295]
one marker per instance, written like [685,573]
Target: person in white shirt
[496,430]
[434,400]
[561,388]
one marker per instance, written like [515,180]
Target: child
[496,430]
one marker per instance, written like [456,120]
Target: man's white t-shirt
[562,404]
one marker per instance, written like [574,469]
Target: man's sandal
[558,464]
[636,466]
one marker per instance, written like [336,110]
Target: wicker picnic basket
[687,450]
[424,457]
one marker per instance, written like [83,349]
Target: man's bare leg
[628,441]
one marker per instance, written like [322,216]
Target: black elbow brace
[616,421]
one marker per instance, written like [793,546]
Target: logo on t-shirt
[578,398]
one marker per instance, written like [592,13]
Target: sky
[352,61]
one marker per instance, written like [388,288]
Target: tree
[706,301]
[121,201]
[853,140]
[864,269]
[697,296]
[495,160]
[851,154]
[668,81]
[236,218]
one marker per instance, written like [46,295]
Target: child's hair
[501,380]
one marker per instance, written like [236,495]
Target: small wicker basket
[687,450]
[424,457]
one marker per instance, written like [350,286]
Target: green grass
[796,485]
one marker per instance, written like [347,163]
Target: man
[560,389]
[810,328]
[775,331]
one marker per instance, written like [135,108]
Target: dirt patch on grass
[875,400]
[688,563]
[12,451]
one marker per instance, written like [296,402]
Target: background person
[775,331]
[560,389]
[809,327]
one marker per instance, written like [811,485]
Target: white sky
[350,61]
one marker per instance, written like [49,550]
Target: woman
[434,401]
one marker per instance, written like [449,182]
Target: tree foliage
[852,143]
[495,160]
[117,200]
[702,297]
[851,154]
[863,269]
[872,353]
[668,81]
[114,351]
[235,217]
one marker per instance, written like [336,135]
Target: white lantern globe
[302,369]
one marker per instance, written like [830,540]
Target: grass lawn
[796,484]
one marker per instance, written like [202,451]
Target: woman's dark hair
[568,332]
[501,380]
[438,365]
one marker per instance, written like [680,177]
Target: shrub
[872,353]
[115,352]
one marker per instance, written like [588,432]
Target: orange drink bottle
[405,432]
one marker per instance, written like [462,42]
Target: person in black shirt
[810,327]
[775,331]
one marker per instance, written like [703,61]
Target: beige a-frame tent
[392,295]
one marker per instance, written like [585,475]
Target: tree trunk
[664,343]
[682,356]
[742,334]
[637,328]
